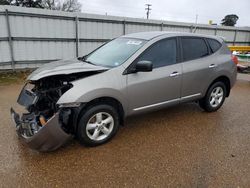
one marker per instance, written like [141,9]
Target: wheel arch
[103,100]
[225,80]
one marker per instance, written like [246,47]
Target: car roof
[153,34]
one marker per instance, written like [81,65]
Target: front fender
[108,84]
[72,96]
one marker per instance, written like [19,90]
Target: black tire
[205,103]
[82,133]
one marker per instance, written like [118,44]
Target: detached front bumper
[49,137]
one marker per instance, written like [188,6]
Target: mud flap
[49,138]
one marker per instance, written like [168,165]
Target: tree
[23,3]
[51,4]
[230,20]
[63,5]
[71,6]
[30,3]
[66,5]
[4,2]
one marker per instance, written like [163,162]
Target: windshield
[115,52]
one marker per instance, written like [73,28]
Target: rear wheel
[98,125]
[214,98]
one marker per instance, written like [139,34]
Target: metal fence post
[162,25]
[191,28]
[77,36]
[124,27]
[215,31]
[235,35]
[10,39]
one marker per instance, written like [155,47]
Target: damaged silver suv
[89,97]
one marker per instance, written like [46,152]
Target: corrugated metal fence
[30,37]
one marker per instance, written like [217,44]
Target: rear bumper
[49,137]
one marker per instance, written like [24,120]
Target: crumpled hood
[62,67]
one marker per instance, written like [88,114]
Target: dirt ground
[177,147]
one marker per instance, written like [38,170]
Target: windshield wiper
[89,62]
[83,58]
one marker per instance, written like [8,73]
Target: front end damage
[46,125]
[48,137]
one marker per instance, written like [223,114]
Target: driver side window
[161,53]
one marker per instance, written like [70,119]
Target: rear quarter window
[214,45]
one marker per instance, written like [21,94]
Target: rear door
[197,67]
[161,87]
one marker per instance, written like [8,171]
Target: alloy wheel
[216,96]
[100,126]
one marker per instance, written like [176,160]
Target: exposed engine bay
[40,99]
[44,117]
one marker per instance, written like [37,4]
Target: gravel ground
[177,147]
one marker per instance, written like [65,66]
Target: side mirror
[144,66]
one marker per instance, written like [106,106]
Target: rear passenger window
[161,53]
[193,48]
[214,44]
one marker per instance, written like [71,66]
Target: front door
[161,87]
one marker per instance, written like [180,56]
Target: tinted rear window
[194,48]
[214,44]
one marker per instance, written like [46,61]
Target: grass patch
[16,77]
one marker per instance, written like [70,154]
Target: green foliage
[63,5]
[4,2]
[23,3]
[230,20]
[10,77]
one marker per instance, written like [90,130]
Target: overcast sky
[173,10]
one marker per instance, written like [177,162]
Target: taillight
[234,59]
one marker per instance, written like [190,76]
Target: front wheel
[214,98]
[98,125]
